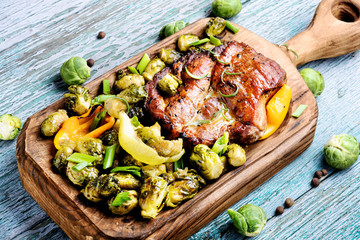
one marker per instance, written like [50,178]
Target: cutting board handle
[334,31]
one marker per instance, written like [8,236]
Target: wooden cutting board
[334,31]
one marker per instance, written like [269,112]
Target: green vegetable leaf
[120,199]
[134,170]
[179,164]
[79,158]
[135,121]
[143,63]
[133,70]
[78,167]
[221,143]
[301,108]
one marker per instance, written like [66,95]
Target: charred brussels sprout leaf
[226,8]
[341,151]
[53,122]
[78,101]
[314,80]
[75,71]
[215,26]
[172,28]
[9,127]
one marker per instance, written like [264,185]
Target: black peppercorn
[318,174]
[289,202]
[315,182]
[279,210]
[101,35]
[90,62]
[324,172]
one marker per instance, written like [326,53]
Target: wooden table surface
[36,37]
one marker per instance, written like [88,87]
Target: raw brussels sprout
[226,8]
[60,159]
[154,66]
[169,55]
[114,106]
[314,80]
[126,206]
[169,84]
[185,40]
[236,155]
[249,220]
[9,127]
[341,151]
[53,122]
[128,80]
[207,161]
[152,195]
[172,28]
[133,94]
[82,177]
[109,137]
[215,26]
[75,71]
[91,146]
[78,101]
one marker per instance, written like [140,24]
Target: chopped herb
[301,108]
[193,76]
[199,42]
[209,95]
[78,167]
[133,70]
[79,158]
[215,41]
[143,63]
[106,86]
[225,63]
[231,27]
[228,73]
[120,198]
[231,95]
[198,123]
[134,170]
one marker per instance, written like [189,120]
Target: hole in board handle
[345,11]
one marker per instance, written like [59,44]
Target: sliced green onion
[289,49]
[301,108]
[130,169]
[133,70]
[135,121]
[193,76]
[199,42]
[79,158]
[215,41]
[109,156]
[198,123]
[221,143]
[97,120]
[126,103]
[231,95]
[101,99]
[209,95]
[223,114]
[106,86]
[231,27]
[214,117]
[143,63]
[78,167]
[225,63]
[215,54]
[179,164]
[120,198]
[228,73]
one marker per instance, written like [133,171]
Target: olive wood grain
[83,220]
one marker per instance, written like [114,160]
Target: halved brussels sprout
[126,206]
[154,66]
[153,170]
[78,101]
[126,180]
[236,155]
[185,40]
[169,55]
[127,81]
[60,160]
[92,190]
[82,177]
[91,146]
[114,106]
[169,84]
[133,94]
[9,127]
[215,26]
[53,122]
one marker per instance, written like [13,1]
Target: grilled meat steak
[232,97]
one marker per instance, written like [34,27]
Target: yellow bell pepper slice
[277,109]
[133,145]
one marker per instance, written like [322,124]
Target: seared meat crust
[199,113]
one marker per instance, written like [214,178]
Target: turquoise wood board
[36,37]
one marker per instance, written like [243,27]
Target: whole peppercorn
[289,202]
[315,182]
[101,35]
[318,174]
[90,62]
[324,172]
[279,210]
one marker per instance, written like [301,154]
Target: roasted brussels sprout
[169,84]
[75,71]
[133,94]
[172,28]
[128,80]
[60,159]
[92,190]
[109,184]
[189,174]
[236,155]
[152,195]
[9,127]
[128,160]
[207,161]
[169,55]
[153,170]
[314,80]
[126,180]
[126,206]
[249,220]
[109,137]
[226,8]
[53,122]
[82,177]
[215,26]
[154,66]
[91,146]
[114,106]
[185,40]
[207,46]
[341,151]
[137,110]
[78,101]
